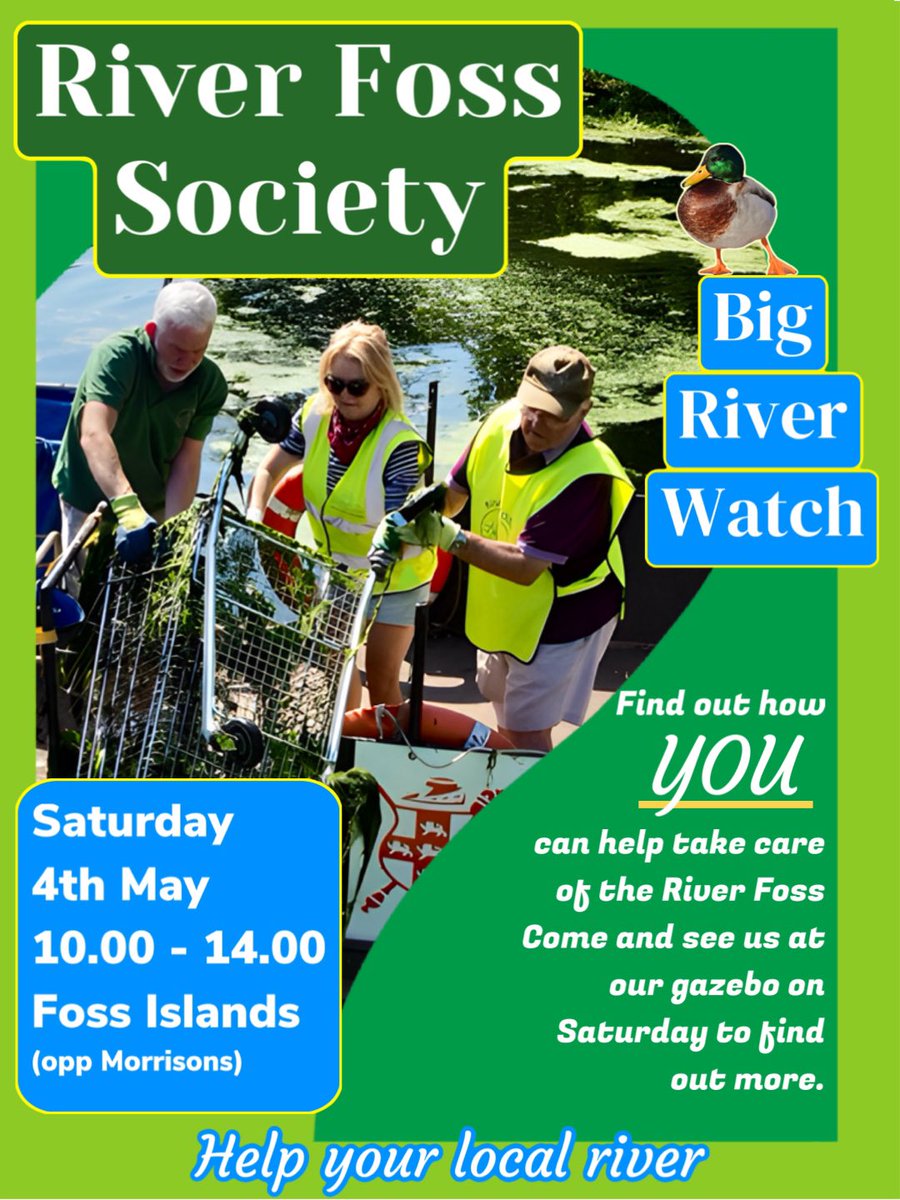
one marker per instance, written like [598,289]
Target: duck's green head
[723,162]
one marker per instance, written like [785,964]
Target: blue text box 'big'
[179,946]
[750,323]
[762,519]
[764,422]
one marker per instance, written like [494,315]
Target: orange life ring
[286,504]
[444,727]
[442,570]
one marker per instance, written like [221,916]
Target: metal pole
[209,724]
[333,745]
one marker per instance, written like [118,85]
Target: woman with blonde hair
[362,457]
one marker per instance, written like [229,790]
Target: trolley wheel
[249,744]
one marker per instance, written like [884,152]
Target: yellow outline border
[783,370]
[144,1112]
[769,566]
[362,24]
[789,375]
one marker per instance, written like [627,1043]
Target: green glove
[385,548]
[431,529]
[385,536]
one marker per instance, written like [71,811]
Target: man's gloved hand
[254,513]
[431,529]
[134,535]
[386,545]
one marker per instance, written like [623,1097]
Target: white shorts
[555,686]
[398,608]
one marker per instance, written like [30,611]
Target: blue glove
[134,534]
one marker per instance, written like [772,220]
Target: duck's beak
[698,176]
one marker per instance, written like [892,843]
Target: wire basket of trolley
[229,653]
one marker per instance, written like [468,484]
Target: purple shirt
[571,532]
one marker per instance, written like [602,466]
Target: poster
[758,953]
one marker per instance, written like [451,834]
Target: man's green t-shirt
[151,423]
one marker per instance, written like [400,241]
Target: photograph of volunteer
[143,408]
[362,457]
[546,578]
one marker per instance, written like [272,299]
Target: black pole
[420,635]
[431,428]
[48,670]
[417,677]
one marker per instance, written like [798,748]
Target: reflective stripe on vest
[506,616]
[344,521]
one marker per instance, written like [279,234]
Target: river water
[596,259]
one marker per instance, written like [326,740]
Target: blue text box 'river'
[732,422]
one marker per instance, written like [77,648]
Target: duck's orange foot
[777,266]
[718,268]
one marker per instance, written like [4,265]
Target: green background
[453,958]
[453,1022]
[151,1156]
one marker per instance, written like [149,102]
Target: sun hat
[557,380]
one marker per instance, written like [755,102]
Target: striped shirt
[400,476]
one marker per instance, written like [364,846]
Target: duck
[722,207]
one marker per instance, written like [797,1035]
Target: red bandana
[345,437]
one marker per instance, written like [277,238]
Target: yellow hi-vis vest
[343,523]
[506,616]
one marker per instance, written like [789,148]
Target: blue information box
[179,946]
[762,519]
[734,422]
[763,323]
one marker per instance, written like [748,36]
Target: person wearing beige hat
[546,578]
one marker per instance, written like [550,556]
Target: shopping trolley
[228,655]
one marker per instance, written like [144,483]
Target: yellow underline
[728,803]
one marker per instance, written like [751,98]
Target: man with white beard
[143,408]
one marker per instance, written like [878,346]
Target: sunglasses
[355,387]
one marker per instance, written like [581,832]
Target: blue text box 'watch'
[729,422]
[766,323]
[762,519]
[179,946]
